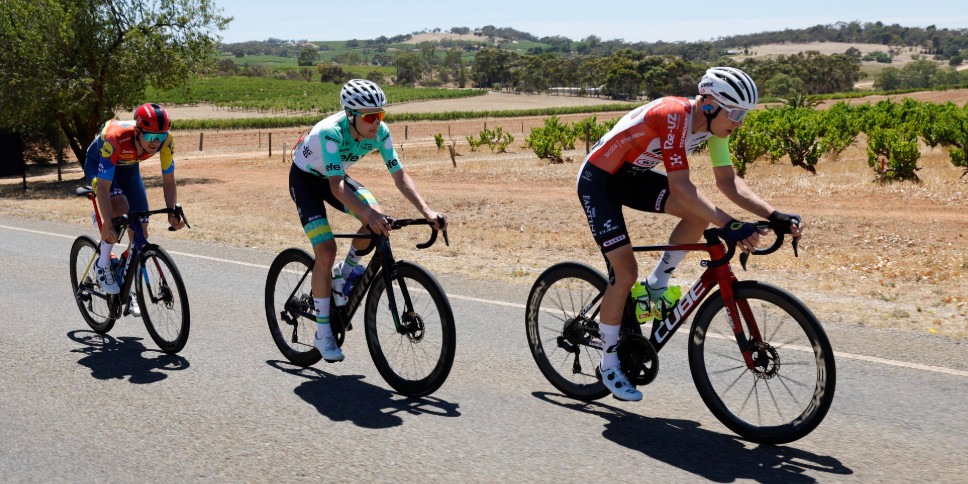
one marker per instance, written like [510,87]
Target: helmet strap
[709,116]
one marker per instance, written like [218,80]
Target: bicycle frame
[138,241]
[718,272]
[382,261]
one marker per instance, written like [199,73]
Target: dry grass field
[889,256]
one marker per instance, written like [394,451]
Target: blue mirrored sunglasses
[152,137]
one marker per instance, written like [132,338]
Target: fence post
[270,144]
[283,152]
[201,138]
[588,134]
[453,158]
[405,131]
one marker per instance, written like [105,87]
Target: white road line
[851,356]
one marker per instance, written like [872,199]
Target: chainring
[638,358]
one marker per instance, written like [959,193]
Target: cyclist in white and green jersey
[318,175]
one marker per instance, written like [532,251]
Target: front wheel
[560,319]
[91,300]
[413,349]
[163,299]
[789,390]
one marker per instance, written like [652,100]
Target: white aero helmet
[361,94]
[730,87]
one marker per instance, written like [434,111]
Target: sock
[609,342]
[351,261]
[659,279]
[105,258]
[322,317]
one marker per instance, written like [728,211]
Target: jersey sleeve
[167,153]
[390,156]
[719,151]
[673,132]
[329,141]
[109,156]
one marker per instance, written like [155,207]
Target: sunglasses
[370,117]
[152,137]
[735,115]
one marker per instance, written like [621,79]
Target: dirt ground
[889,256]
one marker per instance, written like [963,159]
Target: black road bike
[146,268]
[407,318]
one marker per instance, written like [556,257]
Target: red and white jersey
[659,132]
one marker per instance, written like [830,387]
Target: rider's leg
[625,270]
[119,205]
[325,342]
[687,231]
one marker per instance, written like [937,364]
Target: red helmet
[152,118]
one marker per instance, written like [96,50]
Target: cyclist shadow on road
[349,398]
[125,357]
[710,455]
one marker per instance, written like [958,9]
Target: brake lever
[743,257]
[440,219]
[794,244]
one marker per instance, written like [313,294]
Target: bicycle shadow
[349,398]
[123,358]
[710,455]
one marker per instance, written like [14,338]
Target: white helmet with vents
[730,87]
[361,94]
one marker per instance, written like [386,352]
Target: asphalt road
[75,407]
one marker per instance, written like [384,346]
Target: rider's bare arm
[692,200]
[407,187]
[738,192]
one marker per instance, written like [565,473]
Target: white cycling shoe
[328,348]
[619,385]
[105,279]
[133,308]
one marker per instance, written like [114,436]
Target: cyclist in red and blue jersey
[112,169]
[318,176]
[620,172]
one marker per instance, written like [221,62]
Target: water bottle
[352,279]
[643,305]
[338,283]
[116,267]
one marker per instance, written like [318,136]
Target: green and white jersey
[329,149]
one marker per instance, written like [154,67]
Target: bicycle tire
[415,362]
[736,395]
[292,333]
[93,303]
[163,299]
[557,337]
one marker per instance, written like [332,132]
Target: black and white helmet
[730,87]
[361,94]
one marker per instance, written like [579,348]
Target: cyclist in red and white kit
[620,172]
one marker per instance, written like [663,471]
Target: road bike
[408,320]
[144,267]
[758,356]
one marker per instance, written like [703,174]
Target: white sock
[322,317]
[609,342]
[351,261]
[659,278]
[105,258]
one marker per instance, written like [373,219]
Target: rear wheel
[562,329]
[94,304]
[290,310]
[414,350]
[791,387]
[163,299]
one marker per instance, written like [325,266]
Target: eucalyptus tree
[74,63]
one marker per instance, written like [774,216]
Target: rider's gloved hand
[784,219]
[739,231]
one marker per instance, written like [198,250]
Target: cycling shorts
[311,193]
[603,195]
